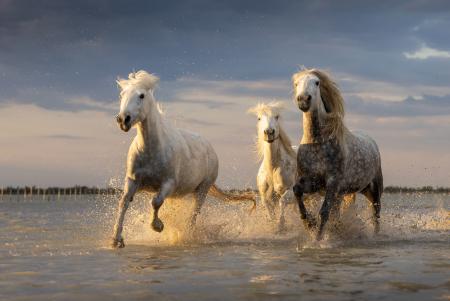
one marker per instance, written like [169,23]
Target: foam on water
[403,217]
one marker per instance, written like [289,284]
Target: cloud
[83,103]
[59,61]
[426,52]
[66,137]
[427,105]
[219,94]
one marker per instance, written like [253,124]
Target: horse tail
[242,196]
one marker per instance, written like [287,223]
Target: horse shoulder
[196,159]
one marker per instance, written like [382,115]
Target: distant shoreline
[85,190]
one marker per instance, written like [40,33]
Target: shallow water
[59,250]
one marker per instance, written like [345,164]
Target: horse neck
[312,125]
[150,133]
[272,154]
[311,128]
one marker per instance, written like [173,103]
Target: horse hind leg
[373,193]
[199,199]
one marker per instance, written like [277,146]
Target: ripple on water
[60,250]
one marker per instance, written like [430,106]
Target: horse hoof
[281,229]
[157,225]
[319,236]
[310,222]
[376,231]
[118,243]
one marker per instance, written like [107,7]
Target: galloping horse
[162,159]
[330,158]
[276,175]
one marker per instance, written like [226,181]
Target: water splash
[403,217]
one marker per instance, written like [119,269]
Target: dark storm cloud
[51,51]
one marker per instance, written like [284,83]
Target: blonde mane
[333,123]
[141,79]
[272,108]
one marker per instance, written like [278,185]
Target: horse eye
[276,117]
[259,118]
[141,96]
[317,83]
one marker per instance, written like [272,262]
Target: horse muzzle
[124,122]
[304,103]
[269,135]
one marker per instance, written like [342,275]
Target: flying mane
[141,80]
[333,123]
[272,108]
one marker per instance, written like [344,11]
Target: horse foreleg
[129,190]
[266,193]
[282,204]
[308,221]
[166,189]
[331,200]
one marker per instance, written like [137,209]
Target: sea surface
[58,249]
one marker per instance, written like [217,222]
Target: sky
[59,61]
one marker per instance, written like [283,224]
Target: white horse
[276,175]
[162,159]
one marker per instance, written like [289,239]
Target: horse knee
[298,190]
[325,211]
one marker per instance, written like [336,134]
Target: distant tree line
[403,189]
[74,190]
[85,190]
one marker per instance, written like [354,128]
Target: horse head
[136,98]
[268,125]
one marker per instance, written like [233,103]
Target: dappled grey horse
[330,158]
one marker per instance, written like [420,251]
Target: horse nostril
[118,119]
[127,119]
[299,98]
[269,131]
[309,97]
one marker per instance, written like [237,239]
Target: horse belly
[150,179]
[362,166]
[198,165]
